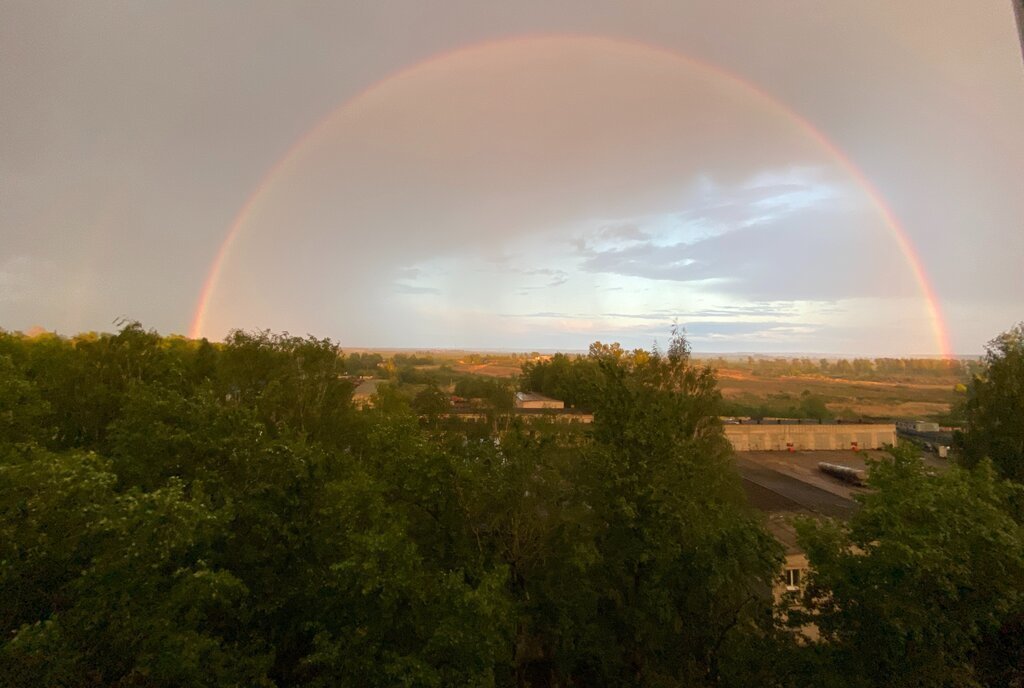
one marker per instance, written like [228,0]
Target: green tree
[994,408]
[684,562]
[103,588]
[186,513]
[162,434]
[497,394]
[574,380]
[295,384]
[24,414]
[905,594]
[812,406]
[431,402]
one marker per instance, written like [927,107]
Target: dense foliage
[180,513]
[576,380]
[994,408]
[919,584]
[175,512]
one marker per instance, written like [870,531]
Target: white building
[529,400]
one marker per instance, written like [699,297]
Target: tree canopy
[994,409]
[912,589]
[178,512]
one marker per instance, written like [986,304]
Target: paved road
[771,490]
[763,499]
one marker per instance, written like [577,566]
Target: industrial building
[779,436]
[531,400]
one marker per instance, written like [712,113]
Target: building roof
[736,420]
[783,482]
[781,528]
[533,396]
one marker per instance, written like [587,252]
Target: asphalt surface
[772,491]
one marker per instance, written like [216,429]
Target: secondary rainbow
[899,234]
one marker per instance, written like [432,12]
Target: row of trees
[856,368]
[577,381]
[176,513]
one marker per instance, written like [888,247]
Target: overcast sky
[526,175]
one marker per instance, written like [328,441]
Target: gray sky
[520,175]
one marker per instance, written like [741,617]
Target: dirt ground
[857,397]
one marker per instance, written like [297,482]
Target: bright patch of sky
[562,280]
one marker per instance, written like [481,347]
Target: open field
[770,388]
[488,369]
[867,398]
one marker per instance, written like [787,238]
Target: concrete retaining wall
[770,437]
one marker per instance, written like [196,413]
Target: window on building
[793,579]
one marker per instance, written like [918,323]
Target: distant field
[843,397]
[502,369]
[773,387]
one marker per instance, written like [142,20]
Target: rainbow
[292,154]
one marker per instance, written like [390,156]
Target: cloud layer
[534,175]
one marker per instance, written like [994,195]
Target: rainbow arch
[895,227]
